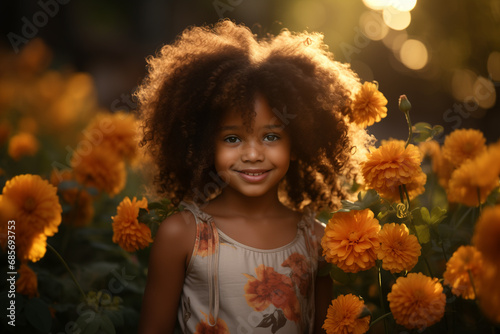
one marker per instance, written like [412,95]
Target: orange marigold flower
[399,250]
[118,131]
[489,297]
[343,316]
[486,236]
[34,206]
[429,148]
[27,283]
[368,106]
[473,181]
[351,240]
[300,271]
[100,168]
[270,287]
[462,145]
[465,261]
[127,231]
[22,144]
[417,301]
[205,328]
[392,165]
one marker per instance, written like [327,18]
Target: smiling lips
[253,175]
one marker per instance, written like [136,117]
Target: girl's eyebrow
[236,127]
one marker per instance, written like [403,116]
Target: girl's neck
[231,202]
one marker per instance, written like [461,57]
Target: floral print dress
[233,288]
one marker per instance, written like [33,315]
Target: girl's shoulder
[177,232]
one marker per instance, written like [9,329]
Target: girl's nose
[252,152]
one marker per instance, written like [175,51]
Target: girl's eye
[231,139]
[271,138]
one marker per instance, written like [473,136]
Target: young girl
[251,137]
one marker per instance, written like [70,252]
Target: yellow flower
[399,250]
[343,316]
[473,181]
[465,261]
[34,206]
[27,283]
[80,201]
[100,168]
[417,301]
[351,240]
[118,131]
[486,236]
[392,165]
[22,144]
[462,145]
[127,231]
[369,105]
[429,148]
[443,168]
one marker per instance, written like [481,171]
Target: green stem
[415,229]
[67,268]
[380,318]
[479,199]
[381,297]
[472,283]
[410,130]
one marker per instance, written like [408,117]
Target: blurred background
[444,55]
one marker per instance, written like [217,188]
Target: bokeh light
[395,39]
[373,26]
[484,92]
[461,84]
[396,19]
[414,54]
[403,5]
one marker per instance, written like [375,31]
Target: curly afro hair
[209,70]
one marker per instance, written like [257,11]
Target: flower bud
[404,104]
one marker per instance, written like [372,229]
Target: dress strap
[212,258]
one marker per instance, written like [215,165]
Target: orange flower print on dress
[204,327]
[300,271]
[270,287]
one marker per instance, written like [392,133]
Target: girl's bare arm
[170,253]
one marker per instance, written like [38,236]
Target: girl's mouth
[253,176]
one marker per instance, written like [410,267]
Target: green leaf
[339,275]
[371,200]
[93,325]
[424,131]
[425,215]
[423,233]
[437,215]
[107,325]
[38,314]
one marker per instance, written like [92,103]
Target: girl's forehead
[261,115]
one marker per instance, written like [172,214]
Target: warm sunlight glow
[403,5]
[414,54]
[484,92]
[494,65]
[461,84]
[396,19]
[373,26]
[395,39]
[311,15]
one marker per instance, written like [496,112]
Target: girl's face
[252,160]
